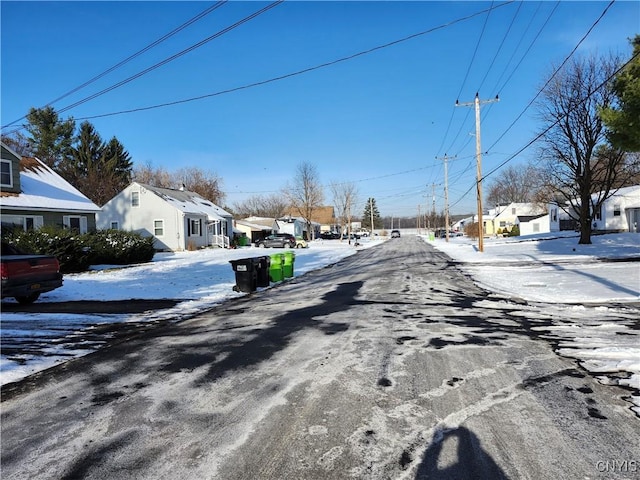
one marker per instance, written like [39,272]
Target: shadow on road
[238,354]
[470,460]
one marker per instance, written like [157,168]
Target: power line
[578,105]
[173,57]
[303,71]
[444,138]
[131,57]
[604,12]
[515,69]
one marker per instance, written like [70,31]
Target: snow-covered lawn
[541,270]
[585,283]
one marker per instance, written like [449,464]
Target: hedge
[77,252]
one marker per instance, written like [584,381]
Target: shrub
[76,253]
[66,245]
[515,231]
[116,247]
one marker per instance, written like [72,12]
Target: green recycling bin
[275,267]
[287,267]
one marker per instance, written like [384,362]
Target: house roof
[43,189]
[188,202]
[522,209]
[263,221]
[254,226]
[528,218]
[322,215]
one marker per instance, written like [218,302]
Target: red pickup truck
[25,277]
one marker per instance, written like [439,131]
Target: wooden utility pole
[446,195]
[371,214]
[476,103]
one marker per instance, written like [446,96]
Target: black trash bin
[262,272]
[246,274]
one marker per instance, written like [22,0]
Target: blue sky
[381,120]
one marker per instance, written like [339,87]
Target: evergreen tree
[50,139]
[370,207]
[623,121]
[100,170]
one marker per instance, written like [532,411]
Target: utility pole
[433,207]
[446,195]
[371,214]
[418,219]
[476,103]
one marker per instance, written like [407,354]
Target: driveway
[389,365]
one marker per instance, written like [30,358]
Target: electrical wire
[299,72]
[173,57]
[173,32]
[444,138]
[552,125]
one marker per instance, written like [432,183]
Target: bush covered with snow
[115,247]
[76,252]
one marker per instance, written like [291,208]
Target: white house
[618,213]
[504,217]
[32,195]
[177,218]
[532,224]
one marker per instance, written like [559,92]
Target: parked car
[395,233]
[281,240]
[25,276]
[330,236]
[301,243]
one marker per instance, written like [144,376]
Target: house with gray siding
[32,195]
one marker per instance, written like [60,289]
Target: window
[536,227]
[513,211]
[6,177]
[598,214]
[135,199]
[616,210]
[114,226]
[503,224]
[75,222]
[194,228]
[554,215]
[158,228]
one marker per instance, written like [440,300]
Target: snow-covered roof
[529,218]
[188,202]
[265,221]
[254,226]
[522,209]
[43,189]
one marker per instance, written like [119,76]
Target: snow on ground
[584,282]
[202,278]
[544,269]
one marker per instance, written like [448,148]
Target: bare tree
[155,176]
[578,164]
[305,194]
[271,206]
[204,183]
[345,195]
[515,183]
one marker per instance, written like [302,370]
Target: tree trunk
[585,220]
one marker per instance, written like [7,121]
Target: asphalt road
[389,365]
